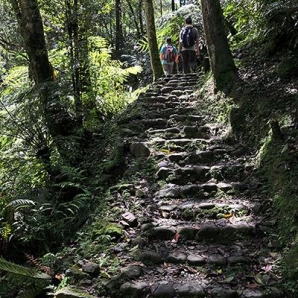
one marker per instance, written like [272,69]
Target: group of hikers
[188,50]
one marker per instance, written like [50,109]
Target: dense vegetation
[51,182]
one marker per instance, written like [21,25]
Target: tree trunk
[58,120]
[140,14]
[119,36]
[221,60]
[152,40]
[31,29]
[73,35]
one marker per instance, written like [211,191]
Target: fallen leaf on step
[228,215]
[252,286]
[104,274]
[176,238]
[191,270]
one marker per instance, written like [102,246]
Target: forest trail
[199,227]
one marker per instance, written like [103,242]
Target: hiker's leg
[171,65]
[185,60]
[165,69]
[192,60]
[169,71]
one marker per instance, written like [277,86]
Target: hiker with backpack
[189,46]
[168,56]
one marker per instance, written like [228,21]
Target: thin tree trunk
[118,34]
[152,40]
[140,13]
[31,29]
[134,19]
[221,60]
[73,35]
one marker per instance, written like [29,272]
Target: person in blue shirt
[168,56]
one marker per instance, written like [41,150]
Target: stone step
[179,145]
[202,174]
[154,122]
[160,103]
[203,190]
[188,118]
[182,288]
[196,230]
[220,155]
[186,281]
[190,210]
[220,231]
[202,132]
[194,254]
[167,112]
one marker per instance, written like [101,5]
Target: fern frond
[20,203]
[32,291]
[278,7]
[19,270]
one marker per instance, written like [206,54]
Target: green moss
[282,177]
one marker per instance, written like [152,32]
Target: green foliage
[274,21]
[28,281]
[282,18]
[108,78]
[171,30]
[245,17]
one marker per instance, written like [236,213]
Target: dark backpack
[187,37]
[169,54]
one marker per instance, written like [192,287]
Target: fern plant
[282,23]
[107,78]
[29,281]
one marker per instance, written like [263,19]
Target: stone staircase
[199,227]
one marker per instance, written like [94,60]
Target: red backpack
[169,55]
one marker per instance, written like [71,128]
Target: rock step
[187,283]
[204,190]
[152,257]
[151,99]
[202,233]
[191,118]
[219,231]
[190,289]
[203,132]
[202,271]
[154,120]
[203,174]
[170,108]
[187,144]
[167,112]
[197,211]
[166,100]
[179,145]
[206,157]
